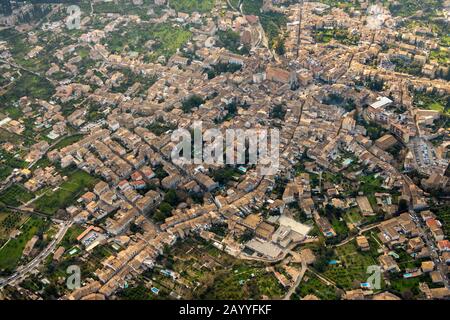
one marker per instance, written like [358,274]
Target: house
[364,206]
[252,221]
[362,243]
[206,182]
[443,245]
[148,172]
[170,182]
[388,263]
[427,266]
[415,244]
[435,228]
[100,188]
[436,277]
[58,253]
[324,226]
[445,257]
[88,197]
[386,142]
[282,76]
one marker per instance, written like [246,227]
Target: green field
[243,282]
[8,222]
[442,56]
[67,141]
[189,6]
[168,39]
[432,101]
[311,284]
[28,85]
[369,184]
[341,35]
[406,8]
[71,235]
[352,270]
[406,287]
[8,162]
[222,276]
[353,216]
[443,214]
[66,194]
[15,195]
[11,253]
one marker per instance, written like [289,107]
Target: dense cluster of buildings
[135,169]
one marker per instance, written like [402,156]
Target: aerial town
[94,207]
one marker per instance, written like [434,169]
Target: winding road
[23,271]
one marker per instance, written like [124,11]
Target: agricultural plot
[352,269]
[11,252]
[213,274]
[189,6]
[167,40]
[311,284]
[77,183]
[15,195]
[8,222]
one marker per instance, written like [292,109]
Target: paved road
[23,271]
[297,281]
[441,267]
[360,232]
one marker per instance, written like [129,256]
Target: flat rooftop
[298,227]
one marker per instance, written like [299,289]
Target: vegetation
[224,175]
[9,221]
[15,195]
[8,162]
[311,284]
[278,112]
[369,185]
[222,68]
[243,282]
[374,130]
[405,66]
[164,211]
[432,101]
[443,214]
[406,8]
[71,235]
[77,183]
[168,39]
[341,35]
[190,6]
[352,269]
[231,40]
[28,85]
[193,101]
[160,126]
[405,288]
[11,253]
[121,6]
[132,78]
[138,292]
[273,23]
[67,141]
